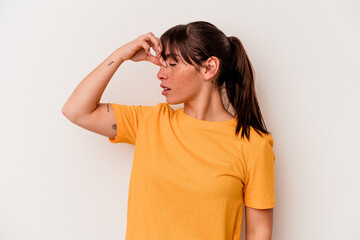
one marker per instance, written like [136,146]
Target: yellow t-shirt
[190,177]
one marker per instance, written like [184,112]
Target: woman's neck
[207,106]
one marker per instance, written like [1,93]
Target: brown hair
[196,42]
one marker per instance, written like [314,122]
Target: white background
[60,181]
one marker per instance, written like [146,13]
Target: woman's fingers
[153,60]
[140,49]
[146,46]
[158,54]
[162,61]
[155,43]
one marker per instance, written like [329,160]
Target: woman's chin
[172,101]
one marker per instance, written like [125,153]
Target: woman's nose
[162,73]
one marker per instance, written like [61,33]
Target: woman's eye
[172,64]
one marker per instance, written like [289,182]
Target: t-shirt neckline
[203,123]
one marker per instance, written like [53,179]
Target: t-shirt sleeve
[128,119]
[259,189]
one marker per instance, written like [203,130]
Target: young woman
[195,167]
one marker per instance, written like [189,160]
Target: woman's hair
[196,42]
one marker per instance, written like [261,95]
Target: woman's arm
[258,224]
[86,96]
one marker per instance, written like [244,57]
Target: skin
[258,223]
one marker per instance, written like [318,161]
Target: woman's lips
[165,92]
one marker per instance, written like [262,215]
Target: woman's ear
[211,67]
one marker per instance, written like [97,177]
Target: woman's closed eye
[172,64]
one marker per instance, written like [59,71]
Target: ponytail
[239,85]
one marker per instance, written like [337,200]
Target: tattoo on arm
[114,125]
[110,63]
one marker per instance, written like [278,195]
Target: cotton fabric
[190,177]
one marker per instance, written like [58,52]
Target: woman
[192,170]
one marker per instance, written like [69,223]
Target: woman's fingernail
[159,48]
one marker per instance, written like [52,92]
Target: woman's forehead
[172,51]
[171,47]
[171,55]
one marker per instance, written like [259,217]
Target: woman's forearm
[86,96]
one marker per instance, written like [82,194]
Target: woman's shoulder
[158,110]
[258,148]
[258,138]
[164,107]
[157,107]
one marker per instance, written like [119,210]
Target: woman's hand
[139,49]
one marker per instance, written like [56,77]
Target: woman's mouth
[166,90]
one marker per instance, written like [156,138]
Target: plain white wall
[59,181]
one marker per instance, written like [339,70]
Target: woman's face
[183,80]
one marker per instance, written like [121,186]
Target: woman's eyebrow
[172,55]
